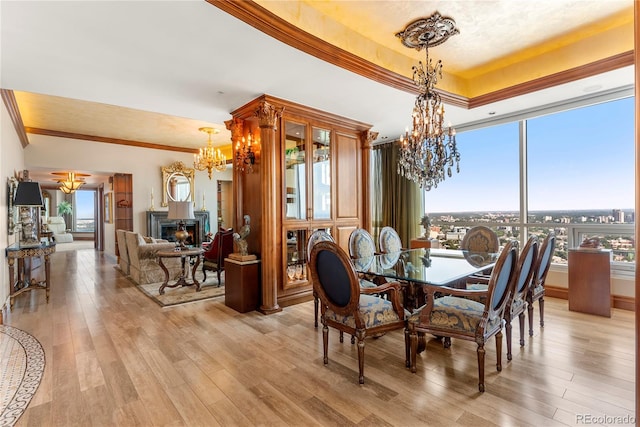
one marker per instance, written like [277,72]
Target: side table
[241,284]
[24,282]
[185,254]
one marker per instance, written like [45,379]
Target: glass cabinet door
[296,256]
[321,179]
[295,176]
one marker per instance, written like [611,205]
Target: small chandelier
[72,182]
[245,154]
[208,158]
[428,151]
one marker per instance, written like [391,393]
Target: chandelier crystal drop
[428,152]
[208,158]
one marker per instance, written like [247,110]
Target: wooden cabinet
[122,202]
[311,172]
[590,281]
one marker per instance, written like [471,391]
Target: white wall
[143,163]
[11,162]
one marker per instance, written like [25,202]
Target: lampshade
[180,210]
[28,194]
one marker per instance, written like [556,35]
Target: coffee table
[185,255]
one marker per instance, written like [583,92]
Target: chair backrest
[389,240]
[480,239]
[334,279]
[56,224]
[525,269]
[315,237]
[502,281]
[361,244]
[544,260]
[221,246]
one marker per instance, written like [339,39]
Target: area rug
[21,368]
[184,294]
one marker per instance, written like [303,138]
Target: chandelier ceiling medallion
[428,152]
[208,158]
[72,181]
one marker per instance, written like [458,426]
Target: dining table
[419,267]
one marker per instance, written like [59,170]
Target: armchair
[57,225]
[457,315]
[348,308]
[220,248]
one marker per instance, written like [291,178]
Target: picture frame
[108,208]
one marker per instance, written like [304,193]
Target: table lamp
[29,199]
[181,211]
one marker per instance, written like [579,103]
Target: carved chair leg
[530,316]
[204,273]
[446,343]
[315,309]
[499,351]
[219,282]
[508,327]
[361,356]
[541,304]
[353,339]
[325,343]
[481,367]
[521,320]
[341,336]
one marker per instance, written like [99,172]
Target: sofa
[144,265]
[123,260]
[58,227]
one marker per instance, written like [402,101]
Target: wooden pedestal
[590,281]
[423,243]
[242,284]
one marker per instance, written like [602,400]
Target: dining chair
[346,307]
[220,248]
[536,288]
[389,240]
[517,303]
[315,237]
[362,248]
[480,239]
[456,313]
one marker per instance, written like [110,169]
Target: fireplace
[159,227]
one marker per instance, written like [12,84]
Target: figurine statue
[426,223]
[240,237]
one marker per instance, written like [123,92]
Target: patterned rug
[21,367]
[185,294]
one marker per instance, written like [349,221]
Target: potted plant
[64,208]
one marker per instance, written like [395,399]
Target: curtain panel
[396,201]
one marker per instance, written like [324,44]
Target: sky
[577,159]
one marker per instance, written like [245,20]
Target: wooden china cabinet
[311,172]
[122,209]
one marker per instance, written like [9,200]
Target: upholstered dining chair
[389,240]
[362,248]
[480,239]
[221,247]
[315,237]
[456,313]
[517,304]
[347,307]
[536,288]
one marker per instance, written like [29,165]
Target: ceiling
[152,72]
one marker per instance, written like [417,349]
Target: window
[84,217]
[577,169]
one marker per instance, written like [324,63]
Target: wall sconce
[245,154]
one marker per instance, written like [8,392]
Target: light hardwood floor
[114,357]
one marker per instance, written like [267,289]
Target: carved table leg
[193,273]
[166,277]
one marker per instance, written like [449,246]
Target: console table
[185,255]
[24,282]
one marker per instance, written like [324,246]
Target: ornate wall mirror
[177,183]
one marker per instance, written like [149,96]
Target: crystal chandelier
[72,182]
[245,154]
[428,152]
[208,158]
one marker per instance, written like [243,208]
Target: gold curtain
[397,201]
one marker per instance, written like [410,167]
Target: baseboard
[617,301]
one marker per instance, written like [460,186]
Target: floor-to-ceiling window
[570,171]
[84,215]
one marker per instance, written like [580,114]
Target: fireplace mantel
[159,227]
